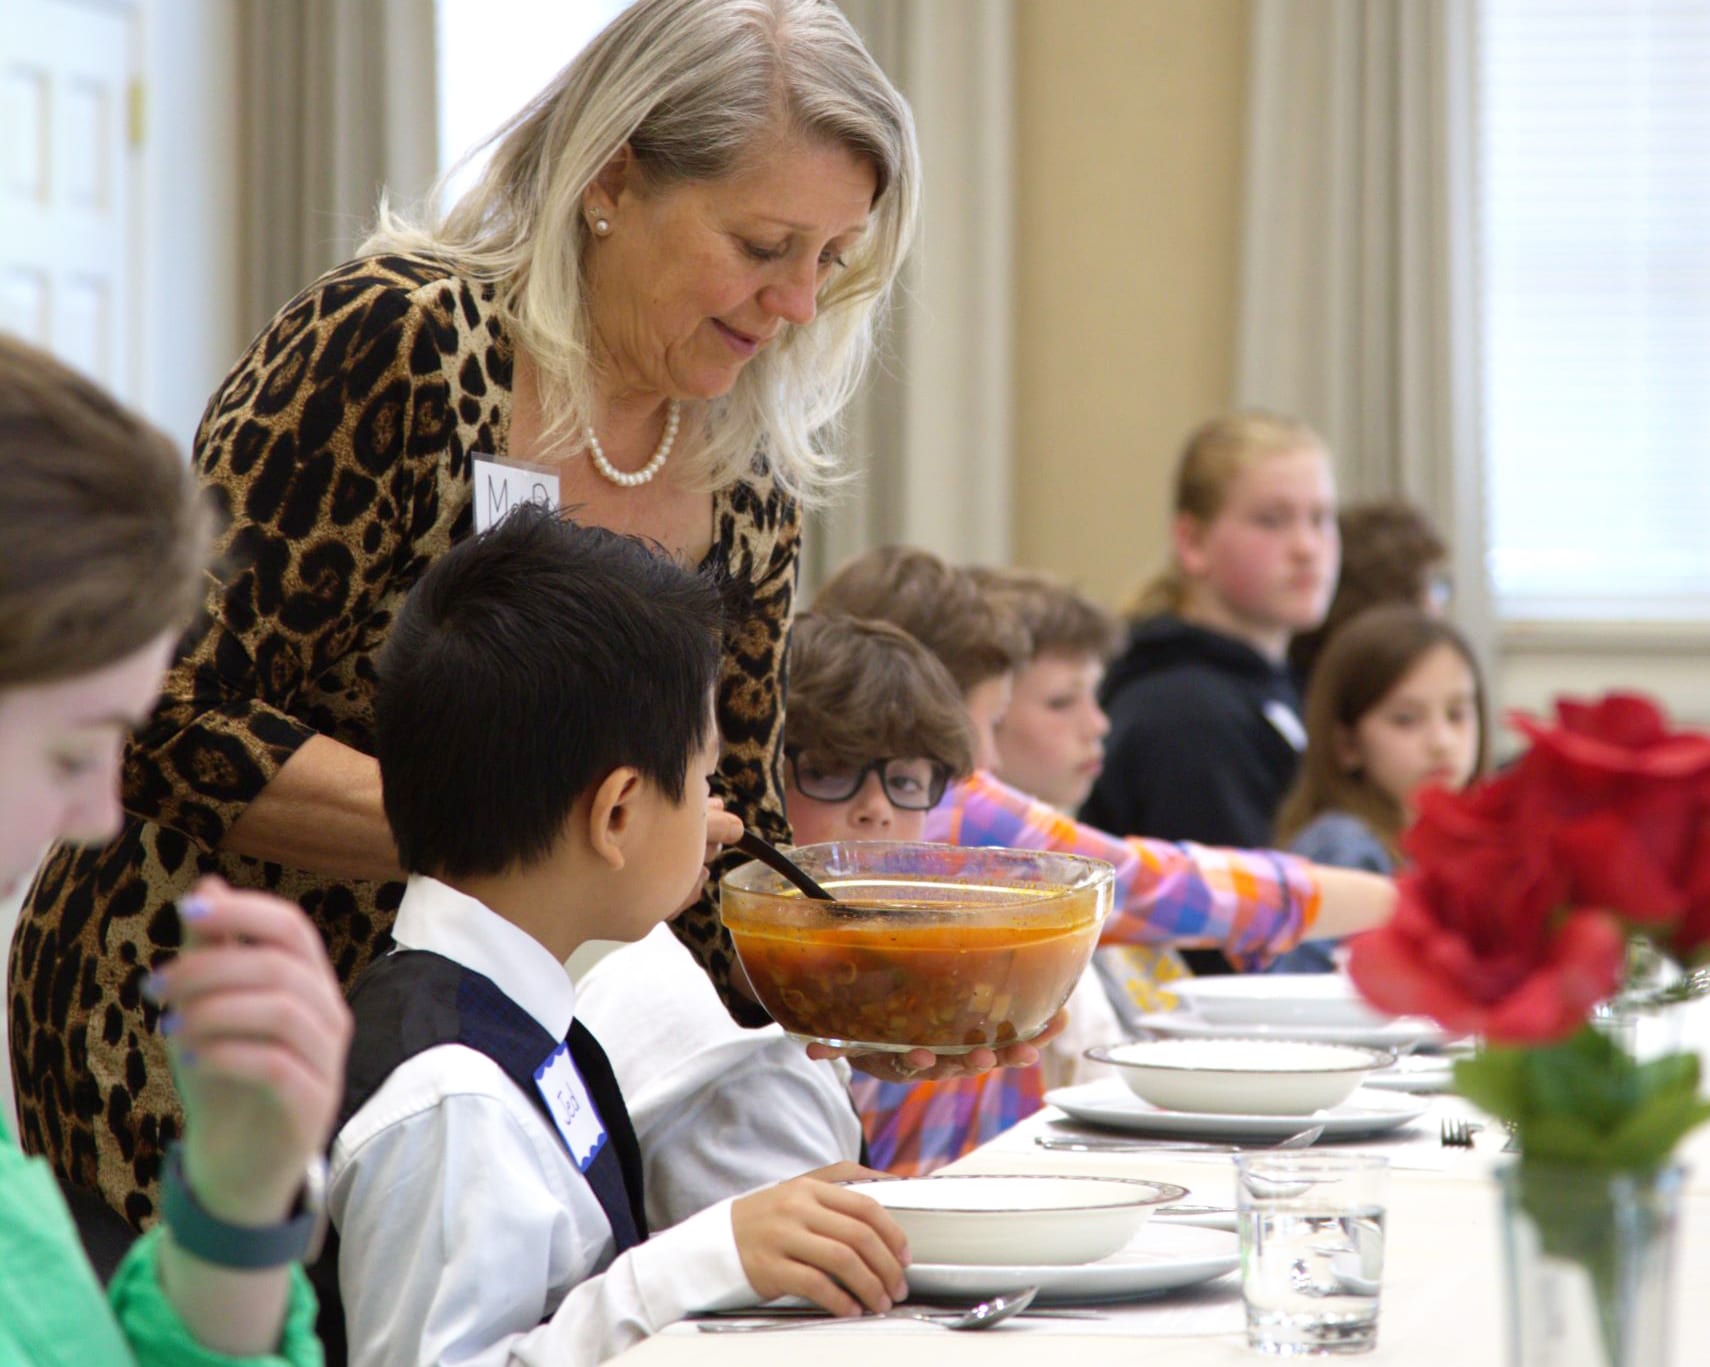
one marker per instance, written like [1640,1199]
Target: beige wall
[1129,135]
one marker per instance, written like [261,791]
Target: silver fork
[1457,1132]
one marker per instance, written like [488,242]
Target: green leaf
[1583,1102]
[1563,1139]
[1670,1073]
[1585,1076]
[1493,1080]
[1648,1136]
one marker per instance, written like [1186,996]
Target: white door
[68,211]
[68,219]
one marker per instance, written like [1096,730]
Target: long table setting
[1173,1294]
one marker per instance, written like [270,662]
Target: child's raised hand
[258,1031]
[827,1244]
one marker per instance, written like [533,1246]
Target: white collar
[435,917]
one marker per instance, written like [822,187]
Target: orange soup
[883,981]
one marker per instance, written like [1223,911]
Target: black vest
[412,1001]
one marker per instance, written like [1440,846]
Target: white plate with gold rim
[1161,1257]
[1278,999]
[1400,1034]
[1109,1103]
[1416,1073]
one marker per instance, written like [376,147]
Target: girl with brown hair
[102,539]
[1396,703]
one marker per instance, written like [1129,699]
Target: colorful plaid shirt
[1253,903]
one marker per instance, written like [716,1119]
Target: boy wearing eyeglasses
[874,733]
[1254,903]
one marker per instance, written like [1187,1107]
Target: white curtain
[930,436]
[338,102]
[1357,287]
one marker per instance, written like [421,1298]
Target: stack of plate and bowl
[1321,1007]
[1324,1007]
[1256,1058]
[1074,1238]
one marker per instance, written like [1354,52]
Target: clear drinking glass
[1312,1232]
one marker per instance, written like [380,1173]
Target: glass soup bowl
[938,947]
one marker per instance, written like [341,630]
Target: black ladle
[775,859]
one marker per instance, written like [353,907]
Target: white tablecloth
[1442,1286]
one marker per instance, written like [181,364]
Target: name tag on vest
[572,1110]
[1281,716]
[500,487]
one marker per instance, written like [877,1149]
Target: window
[1594,275]
[495,56]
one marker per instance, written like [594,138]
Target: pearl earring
[601,226]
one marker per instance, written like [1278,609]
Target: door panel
[67,200]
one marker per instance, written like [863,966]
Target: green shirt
[52,1308]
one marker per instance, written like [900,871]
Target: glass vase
[1590,1259]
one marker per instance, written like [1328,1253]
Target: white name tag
[500,487]
[1288,725]
[572,1110]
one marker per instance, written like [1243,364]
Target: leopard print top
[338,453]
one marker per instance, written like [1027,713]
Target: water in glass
[1312,1240]
[1311,1281]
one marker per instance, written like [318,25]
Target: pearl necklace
[646,472]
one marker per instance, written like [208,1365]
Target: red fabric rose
[1626,799]
[1620,735]
[1449,967]
[1513,919]
[1692,929]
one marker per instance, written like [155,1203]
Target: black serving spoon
[775,859]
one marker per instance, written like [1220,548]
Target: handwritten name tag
[572,1109]
[500,487]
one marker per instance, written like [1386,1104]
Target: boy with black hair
[874,731]
[545,735]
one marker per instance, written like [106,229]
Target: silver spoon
[982,1316]
[1095,1144]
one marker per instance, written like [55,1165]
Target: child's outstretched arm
[1350,900]
[833,1246]
[1254,903]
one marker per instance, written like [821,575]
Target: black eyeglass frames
[912,784]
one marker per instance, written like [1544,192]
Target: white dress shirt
[467,1235]
[718,1110]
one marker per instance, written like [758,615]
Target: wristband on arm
[248,1248]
